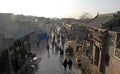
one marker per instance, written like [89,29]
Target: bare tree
[85,15]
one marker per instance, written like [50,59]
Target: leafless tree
[85,15]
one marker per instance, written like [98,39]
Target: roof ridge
[93,18]
[106,14]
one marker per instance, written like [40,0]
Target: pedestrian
[79,63]
[55,44]
[52,44]
[58,40]
[61,52]
[65,64]
[63,42]
[48,48]
[60,48]
[53,38]
[47,41]
[70,64]
[87,52]
[37,44]
[77,48]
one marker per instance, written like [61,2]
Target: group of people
[68,63]
[54,44]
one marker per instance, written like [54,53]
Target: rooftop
[5,43]
[11,28]
[115,21]
[99,20]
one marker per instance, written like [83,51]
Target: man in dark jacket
[70,64]
[65,64]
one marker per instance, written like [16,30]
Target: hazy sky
[59,8]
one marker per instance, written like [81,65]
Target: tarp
[70,42]
[42,36]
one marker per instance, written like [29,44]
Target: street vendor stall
[69,49]
[77,57]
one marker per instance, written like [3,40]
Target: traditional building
[14,53]
[5,65]
[104,39]
[14,44]
[114,48]
[99,20]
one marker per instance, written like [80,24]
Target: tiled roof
[20,32]
[99,20]
[11,28]
[15,33]
[113,21]
[5,43]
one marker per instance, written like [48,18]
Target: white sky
[58,8]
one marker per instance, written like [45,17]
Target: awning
[70,42]
[42,36]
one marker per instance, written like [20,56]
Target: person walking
[37,44]
[70,64]
[47,40]
[52,44]
[61,52]
[65,64]
[48,48]
[87,52]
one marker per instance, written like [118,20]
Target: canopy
[42,36]
[70,42]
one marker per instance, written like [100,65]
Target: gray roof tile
[99,20]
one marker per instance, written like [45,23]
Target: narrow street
[51,62]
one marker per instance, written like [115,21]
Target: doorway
[97,52]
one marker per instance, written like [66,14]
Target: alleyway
[51,63]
